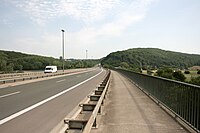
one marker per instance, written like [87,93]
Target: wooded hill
[10,61]
[150,58]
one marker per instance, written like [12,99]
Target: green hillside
[11,61]
[150,58]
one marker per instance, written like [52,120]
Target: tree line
[150,58]
[165,62]
[16,61]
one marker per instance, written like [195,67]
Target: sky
[98,26]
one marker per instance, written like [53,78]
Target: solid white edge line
[9,94]
[44,101]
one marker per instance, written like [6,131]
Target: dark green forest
[150,58]
[168,64]
[16,61]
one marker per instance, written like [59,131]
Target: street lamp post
[63,47]
[86,59]
[86,54]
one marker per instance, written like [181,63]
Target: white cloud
[89,10]
[113,18]
[92,11]
[41,11]
[38,10]
[133,13]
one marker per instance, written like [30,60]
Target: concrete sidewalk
[129,110]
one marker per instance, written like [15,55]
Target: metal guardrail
[180,98]
[85,121]
[41,75]
[20,74]
[92,119]
[29,78]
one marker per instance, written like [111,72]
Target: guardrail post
[94,105]
[98,92]
[95,123]
[94,97]
[101,88]
[76,124]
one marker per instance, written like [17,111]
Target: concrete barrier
[18,79]
[35,77]
[40,75]
[89,110]
[27,78]
[9,81]
[2,81]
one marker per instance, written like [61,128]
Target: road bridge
[38,107]
[133,103]
[128,110]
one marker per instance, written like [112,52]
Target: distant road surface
[39,106]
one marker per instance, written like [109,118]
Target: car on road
[50,69]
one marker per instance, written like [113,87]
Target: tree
[195,81]
[9,67]
[187,72]
[20,67]
[198,72]
[165,73]
[2,65]
[106,66]
[179,76]
[124,65]
[150,57]
[79,64]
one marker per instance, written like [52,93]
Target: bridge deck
[129,110]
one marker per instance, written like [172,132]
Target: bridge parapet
[181,99]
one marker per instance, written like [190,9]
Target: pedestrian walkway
[129,110]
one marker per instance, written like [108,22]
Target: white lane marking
[44,101]
[10,94]
[60,81]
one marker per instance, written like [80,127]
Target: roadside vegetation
[188,76]
[11,61]
[150,58]
[156,62]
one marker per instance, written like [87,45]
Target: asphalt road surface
[38,107]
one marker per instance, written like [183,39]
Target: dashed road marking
[45,101]
[10,94]
[60,81]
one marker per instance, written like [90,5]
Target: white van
[50,69]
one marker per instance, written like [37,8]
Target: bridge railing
[180,98]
